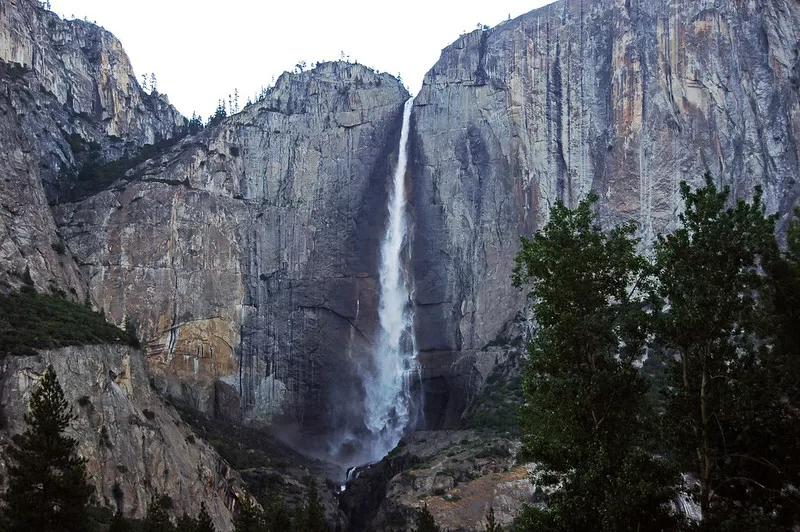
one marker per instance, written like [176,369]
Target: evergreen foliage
[157,518]
[315,513]
[31,321]
[426,522]
[119,523]
[203,521]
[587,419]
[48,488]
[491,523]
[249,518]
[723,302]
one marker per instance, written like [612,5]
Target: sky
[201,51]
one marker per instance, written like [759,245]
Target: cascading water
[388,400]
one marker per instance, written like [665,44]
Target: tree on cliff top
[587,419]
[48,488]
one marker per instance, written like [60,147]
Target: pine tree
[315,513]
[426,522]
[204,522]
[48,488]
[157,518]
[249,518]
[278,518]
[491,522]
[186,523]
[119,523]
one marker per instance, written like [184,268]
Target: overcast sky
[201,51]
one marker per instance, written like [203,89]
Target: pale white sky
[201,51]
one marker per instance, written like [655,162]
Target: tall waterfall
[388,398]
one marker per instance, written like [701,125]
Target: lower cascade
[386,383]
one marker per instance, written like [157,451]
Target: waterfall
[388,401]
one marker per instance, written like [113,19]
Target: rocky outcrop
[68,94]
[135,443]
[458,475]
[623,98]
[85,68]
[246,256]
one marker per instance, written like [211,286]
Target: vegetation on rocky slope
[30,321]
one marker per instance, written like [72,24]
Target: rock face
[135,443]
[458,475]
[247,255]
[623,98]
[65,86]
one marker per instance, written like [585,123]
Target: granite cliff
[68,93]
[135,443]
[624,98]
[246,255]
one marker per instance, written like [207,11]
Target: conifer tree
[249,518]
[426,522]
[157,518]
[119,523]
[204,522]
[491,522]
[315,513]
[48,488]
[186,523]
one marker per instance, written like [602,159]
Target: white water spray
[388,398]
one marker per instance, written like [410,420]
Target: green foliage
[157,518]
[48,488]
[219,115]
[119,523]
[204,522]
[30,321]
[238,455]
[130,333]
[12,71]
[249,518]
[186,523]
[94,174]
[727,417]
[496,409]
[315,513]
[195,124]
[426,522]
[201,523]
[587,419]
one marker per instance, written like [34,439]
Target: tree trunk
[705,480]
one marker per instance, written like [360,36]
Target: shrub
[30,321]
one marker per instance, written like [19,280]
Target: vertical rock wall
[624,98]
[247,255]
